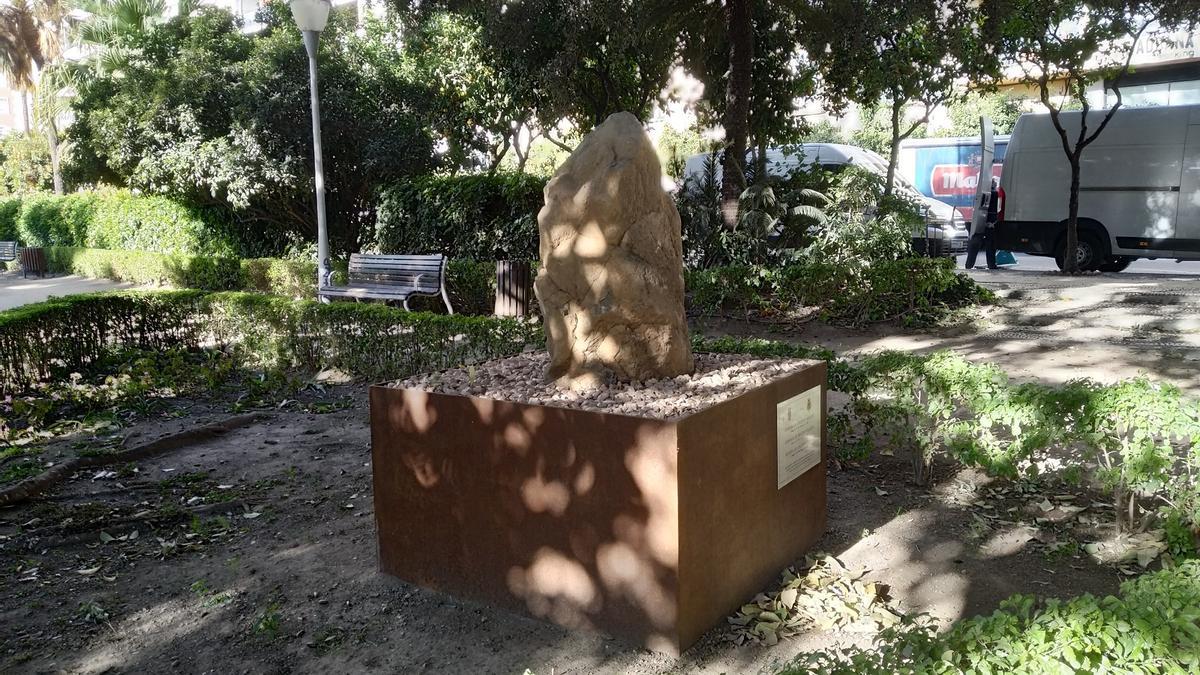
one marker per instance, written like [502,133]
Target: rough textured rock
[611,277]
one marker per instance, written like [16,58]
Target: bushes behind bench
[479,217]
[370,340]
[471,284]
[119,219]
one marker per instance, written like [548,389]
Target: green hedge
[913,289]
[117,219]
[479,217]
[50,339]
[471,284]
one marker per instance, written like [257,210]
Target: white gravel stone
[520,379]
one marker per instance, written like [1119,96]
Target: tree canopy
[208,114]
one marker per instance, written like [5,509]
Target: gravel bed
[520,379]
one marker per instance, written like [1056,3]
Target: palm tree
[109,22]
[21,53]
[31,38]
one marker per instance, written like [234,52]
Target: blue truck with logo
[947,169]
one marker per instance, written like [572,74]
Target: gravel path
[718,377]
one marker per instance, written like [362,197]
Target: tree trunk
[894,155]
[1070,263]
[26,112]
[740,30]
[55,156]
[760,161]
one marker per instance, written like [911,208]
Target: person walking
[986,239]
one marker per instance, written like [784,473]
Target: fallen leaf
[90,570]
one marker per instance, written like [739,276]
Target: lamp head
[310,14]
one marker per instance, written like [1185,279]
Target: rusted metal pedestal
[651,530]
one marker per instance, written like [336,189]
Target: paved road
[16,291]
[1036,263]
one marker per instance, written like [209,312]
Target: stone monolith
[611,277]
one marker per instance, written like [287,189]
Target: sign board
[798,432]
[947,169]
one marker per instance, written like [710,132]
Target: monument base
[651,530]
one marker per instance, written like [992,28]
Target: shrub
[117,219]
[147,268]
[10,209]
[1142,437]
[471,285]
[479,217]
[915,290]
[50,339]
[1152,627]
[24,163]
[811,215]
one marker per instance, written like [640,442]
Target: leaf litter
[824,595]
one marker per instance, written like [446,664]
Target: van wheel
[1088,252]
[1117,263]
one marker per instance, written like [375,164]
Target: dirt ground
[256,552]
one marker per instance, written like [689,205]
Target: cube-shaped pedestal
[651,530]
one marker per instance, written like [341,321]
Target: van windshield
[878,166]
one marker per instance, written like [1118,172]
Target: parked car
[945,230]
[1139,188]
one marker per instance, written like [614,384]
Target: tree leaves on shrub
[47,340]
[482,217]
[1153,627]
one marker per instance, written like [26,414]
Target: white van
[1139,188]
[945,228]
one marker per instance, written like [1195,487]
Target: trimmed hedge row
[908,288]
[116,219]
[472,285]
[479,217]
[46,340]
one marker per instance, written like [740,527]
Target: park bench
[8,251]
[392,278]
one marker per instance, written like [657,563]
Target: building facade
[14,114]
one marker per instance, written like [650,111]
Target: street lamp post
[311,16]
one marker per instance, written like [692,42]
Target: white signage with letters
[798,431]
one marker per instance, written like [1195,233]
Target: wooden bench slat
[399,263]
[368,291]
[397,270]
[393,277]
[383,256]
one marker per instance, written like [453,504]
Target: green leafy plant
[42,342]
[480,217]
[117,219]
[268,621]
[1150,628]
[1143,437]
[471,284]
